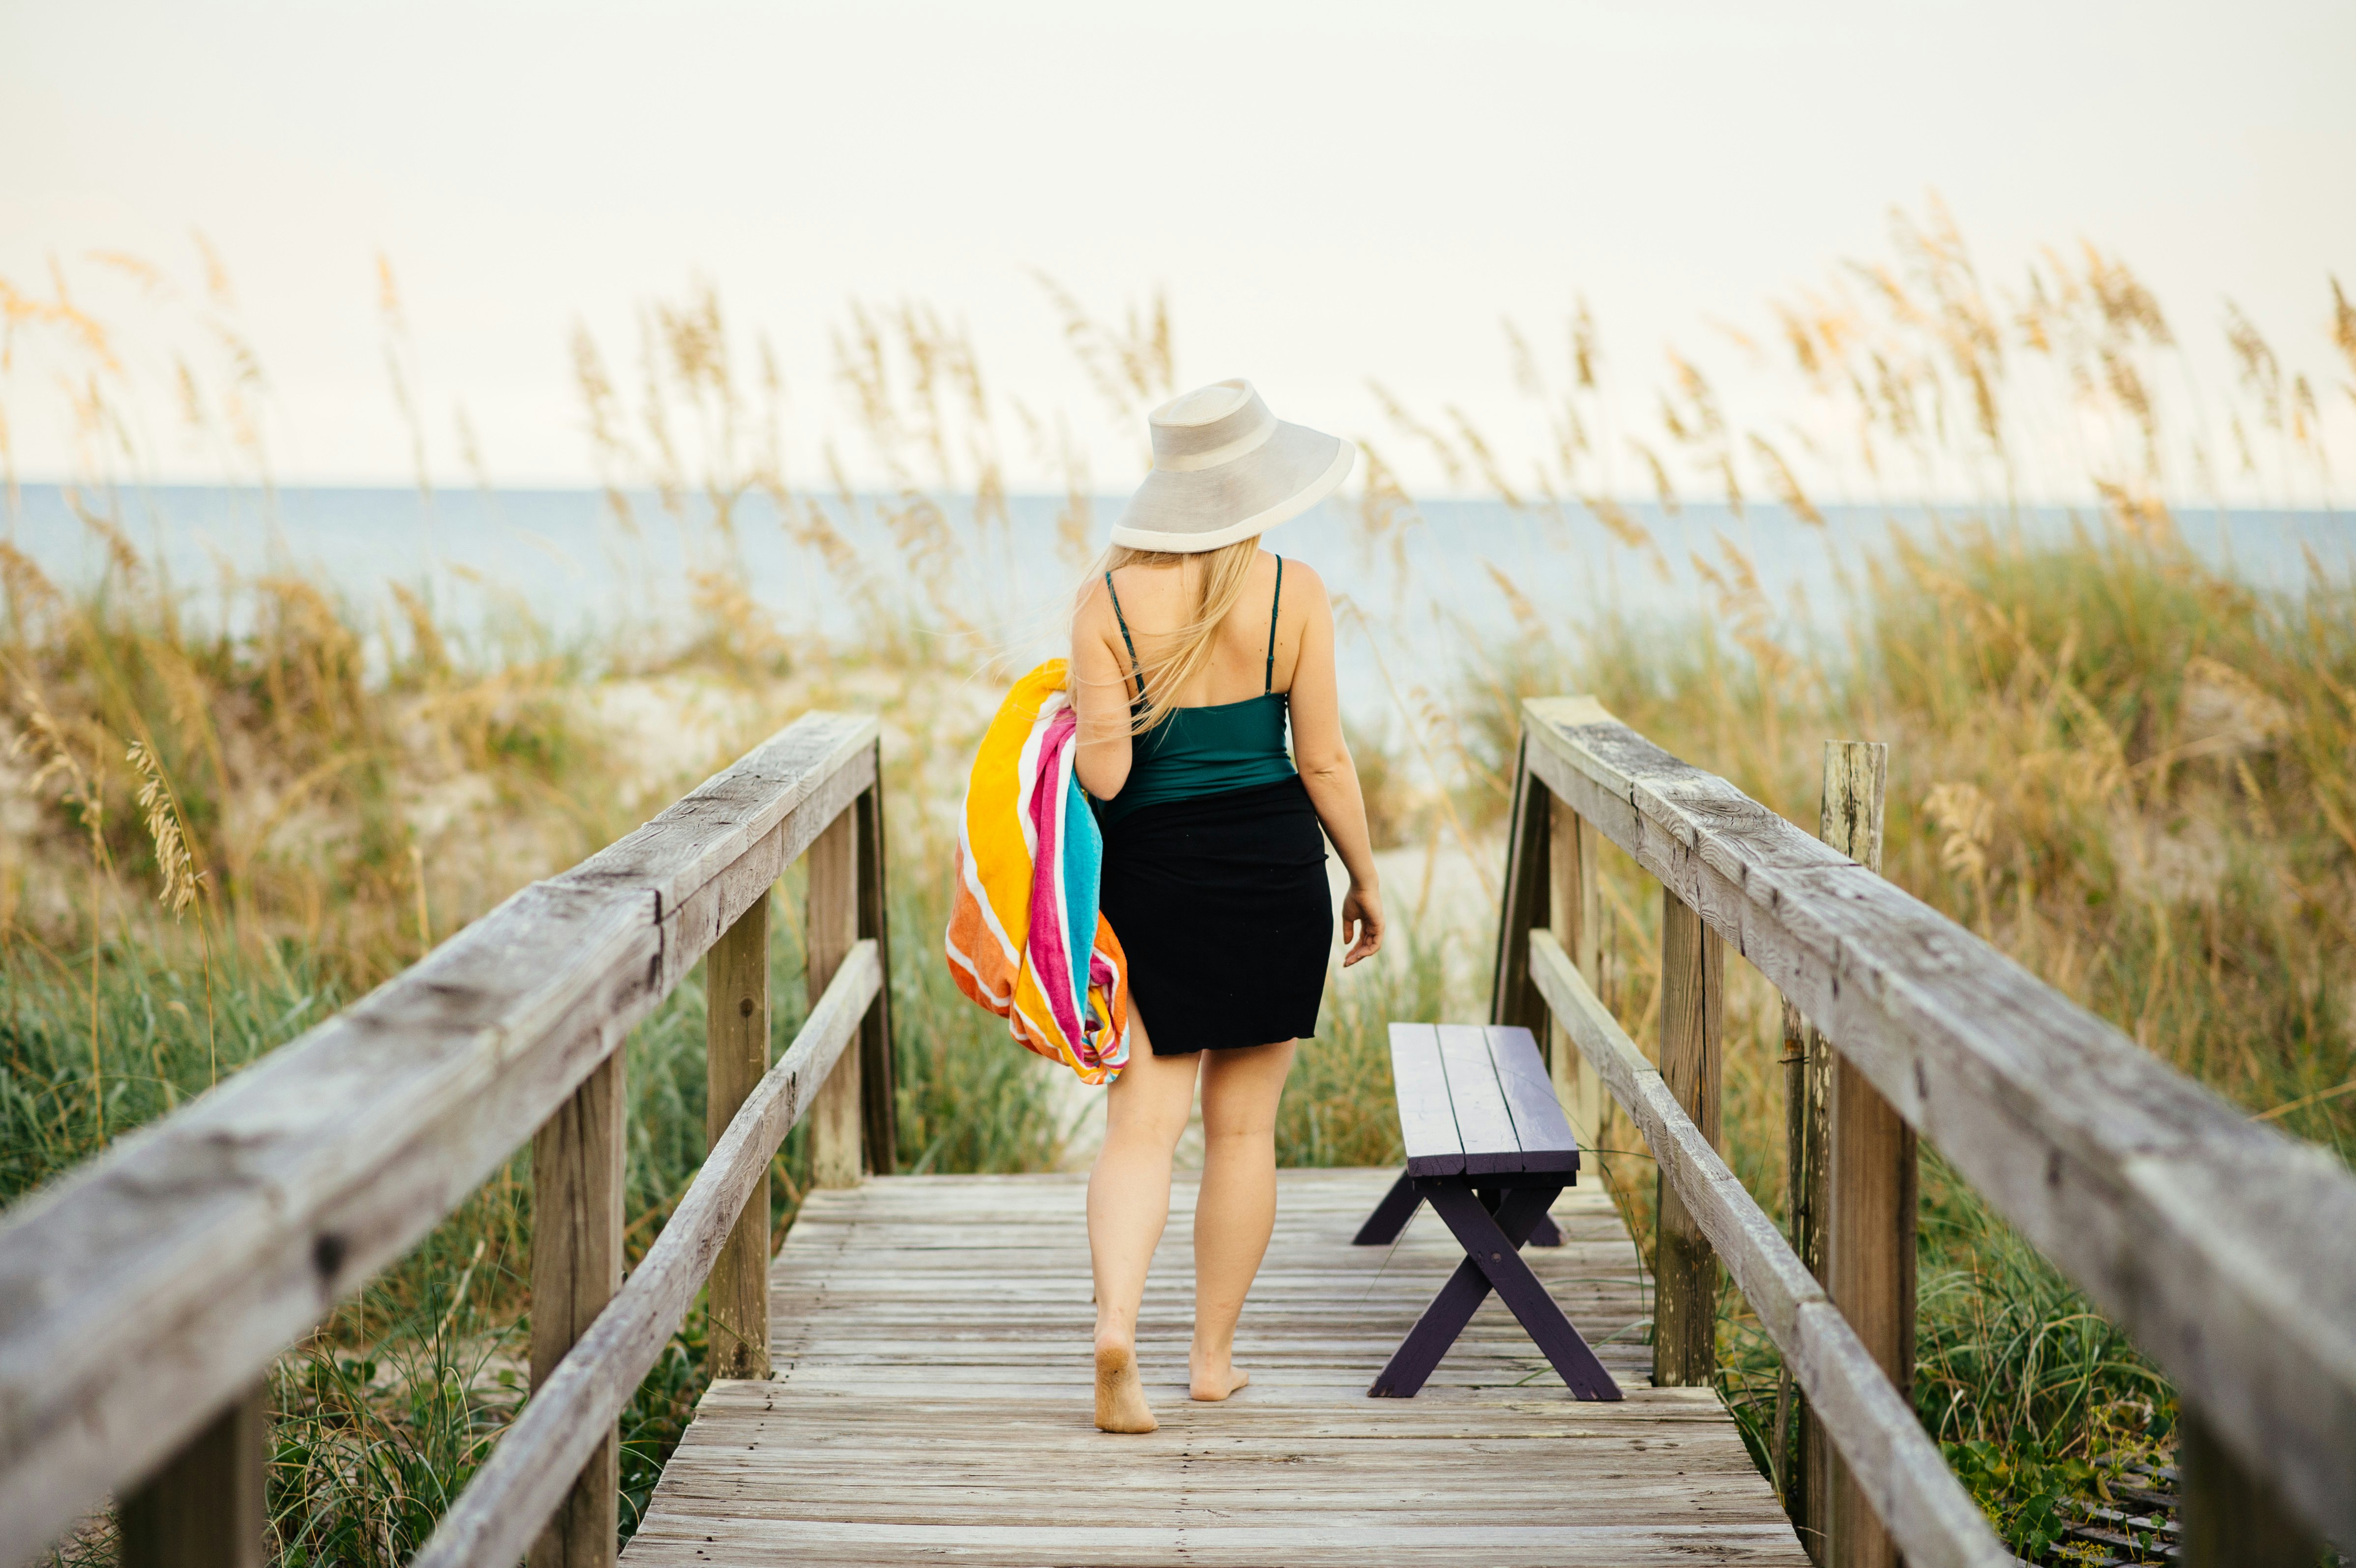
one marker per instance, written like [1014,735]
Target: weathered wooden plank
[969,1387]
[212,1240]
[2187,1223]
[877,1095]
[1539,1126]
[576,1267]
[1895,1462]
[1427,1120]
[1577,907]
[829,929]
[527,1473]
[1482,1122]
[1528,886]
[711,853]
[736,1058]
[2233,1516]
[1693,1027]
[208,1508]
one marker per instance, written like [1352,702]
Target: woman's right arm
[1100,696]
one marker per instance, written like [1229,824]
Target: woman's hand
[1362,911]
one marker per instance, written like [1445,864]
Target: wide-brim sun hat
[1225,468]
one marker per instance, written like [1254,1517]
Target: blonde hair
[1225,572]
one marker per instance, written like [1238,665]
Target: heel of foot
[1120,1397]
[1211,1389]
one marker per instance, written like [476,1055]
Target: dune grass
[2120,765]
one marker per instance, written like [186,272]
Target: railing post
[1870,1192]
[875,1070]
[205,1507]
[576,1267]
[1577,909]
[736,1053]
[832,928]
[2232,1518]
[1693,1024]
[1511,998]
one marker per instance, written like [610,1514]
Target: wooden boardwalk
[931,1403]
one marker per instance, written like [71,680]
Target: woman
[1190,644]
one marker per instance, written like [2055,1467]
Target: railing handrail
[148,1288]
[2193,1227]
[1932,1519]
[495,1518]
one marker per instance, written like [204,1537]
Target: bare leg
[1129,1203]
[1236,1210]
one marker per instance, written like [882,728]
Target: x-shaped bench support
[1493,1260]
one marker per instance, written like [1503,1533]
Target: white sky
[1327,191]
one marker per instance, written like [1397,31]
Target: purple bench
[1489,1148]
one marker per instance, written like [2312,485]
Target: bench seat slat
[1547,1141]
[1427,1117]
[1482,1122]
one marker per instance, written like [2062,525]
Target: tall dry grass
[2118,763]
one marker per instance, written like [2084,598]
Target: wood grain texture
[2232,1518]
[932,1400]
[1420,1086]
[208,1508]
[1482,1122]
[1899,1468]
[526,1475]
[1540,1128]
[878,1097]
[2191,1225]
[1692,1031]
[210,1241]
[576,1267]
[1869,1191]
[829,929]
[1524,903]
[736,1058]
[1577,907]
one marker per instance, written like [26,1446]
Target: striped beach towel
[1025,939]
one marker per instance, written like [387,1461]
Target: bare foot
[1121,1398]
[1205,1384]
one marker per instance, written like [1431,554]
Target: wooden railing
[2225,1249]
[145,1297]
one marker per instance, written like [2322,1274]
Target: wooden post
[2232,1518]
[1693,1024]
[1511,998]
[736,1051]
[875,1070]
[205,1507]
[1579,926]
[576,1267]
[832,928]
[1869,1182]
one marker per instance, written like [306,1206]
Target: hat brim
[1186,511]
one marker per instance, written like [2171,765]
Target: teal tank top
[1203,750]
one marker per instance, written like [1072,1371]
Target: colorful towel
[1028,857]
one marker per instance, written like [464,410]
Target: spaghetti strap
[1268,682]
[1134,668]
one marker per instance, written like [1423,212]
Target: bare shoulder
[1303,589]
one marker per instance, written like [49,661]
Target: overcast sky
[1328,192]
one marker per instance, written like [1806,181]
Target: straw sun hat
[1225,468]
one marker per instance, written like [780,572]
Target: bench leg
[1390,1216]
[1492,1259]
[1546,1233]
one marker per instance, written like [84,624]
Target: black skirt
[1222,908]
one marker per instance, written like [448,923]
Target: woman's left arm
[1323,755]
